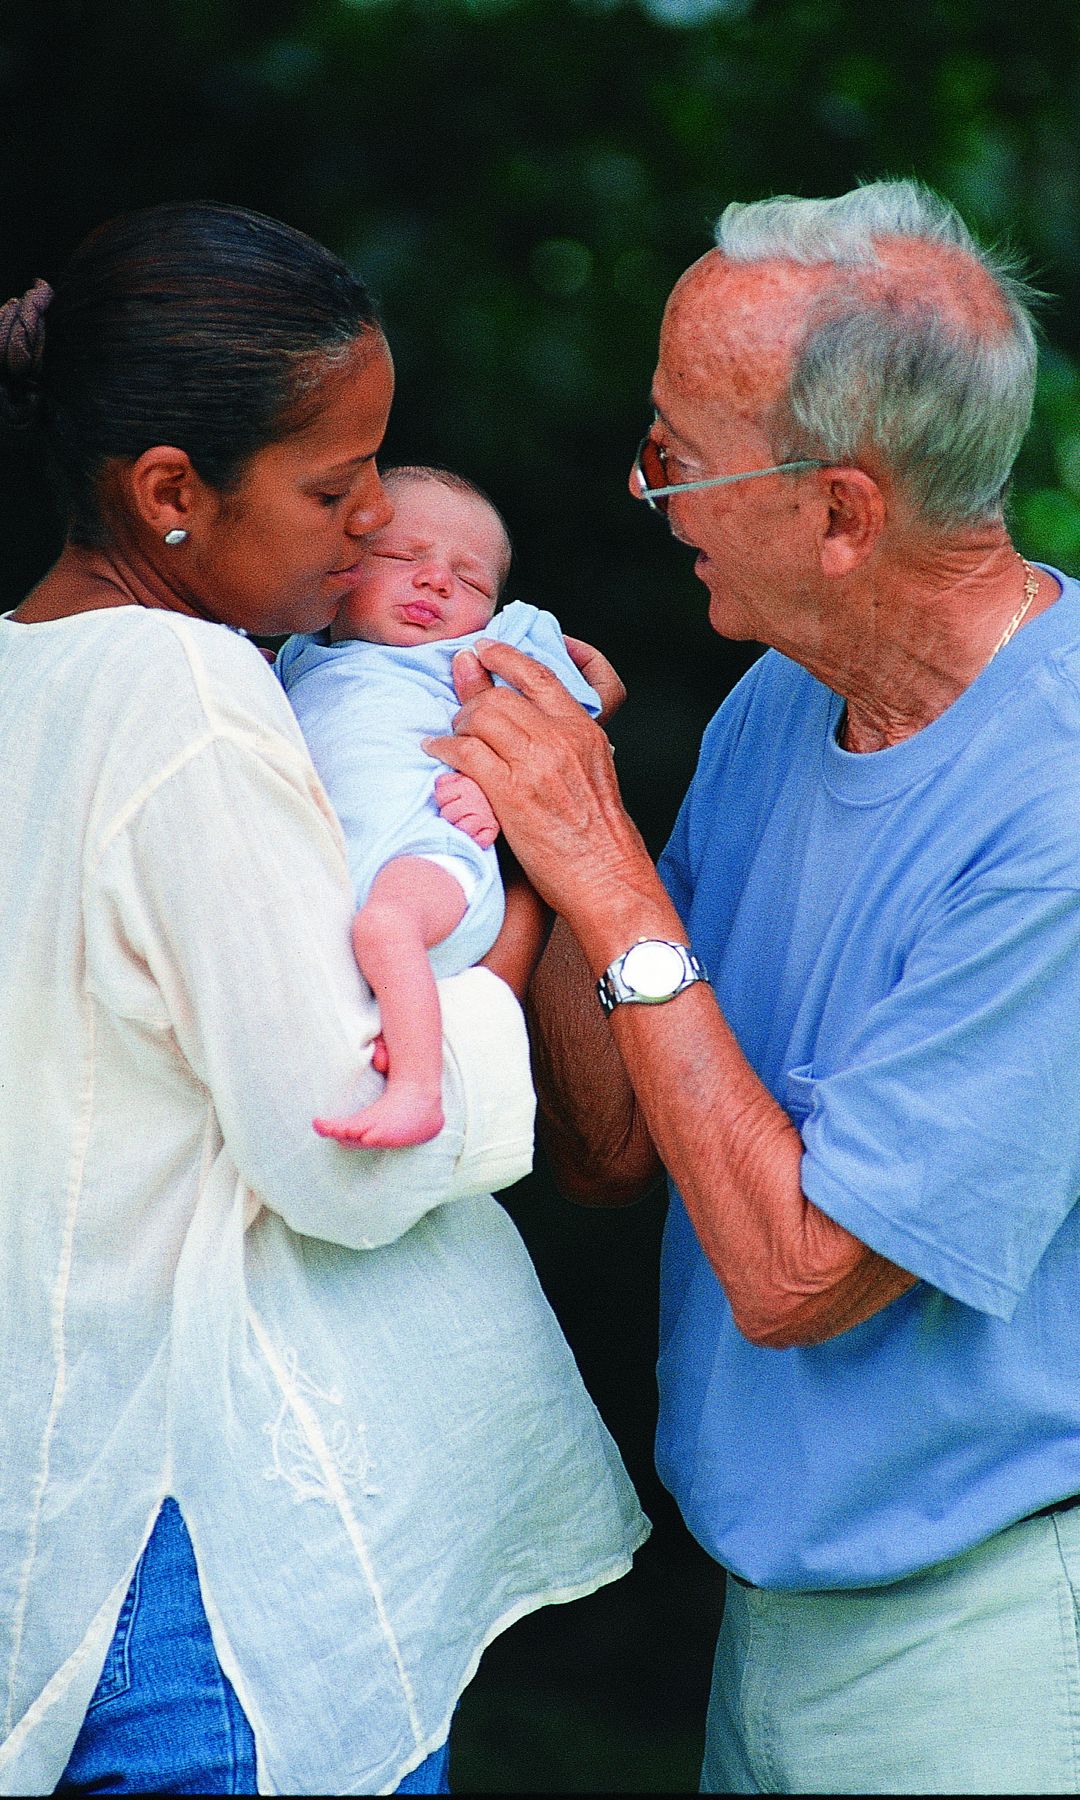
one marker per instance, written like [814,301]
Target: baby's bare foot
[403,1115]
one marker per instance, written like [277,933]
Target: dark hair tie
[22,333]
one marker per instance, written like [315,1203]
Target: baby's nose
[434,575]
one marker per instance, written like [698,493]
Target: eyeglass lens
[650,461]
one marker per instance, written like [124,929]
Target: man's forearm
[589,1121]
[791,1274]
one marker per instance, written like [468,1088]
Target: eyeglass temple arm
[682,487]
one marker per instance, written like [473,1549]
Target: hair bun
[22,341]
[22,332]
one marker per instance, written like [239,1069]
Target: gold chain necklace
[1031,588]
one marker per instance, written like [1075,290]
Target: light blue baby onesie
[363,709]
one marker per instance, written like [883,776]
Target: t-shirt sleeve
[950,1140]
[673,865]
[679,864]
[219,911]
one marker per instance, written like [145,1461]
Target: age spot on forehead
[729,329]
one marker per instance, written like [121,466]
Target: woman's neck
[85,580]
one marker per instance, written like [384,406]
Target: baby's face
[433,572]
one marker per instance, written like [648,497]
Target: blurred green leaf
[521,182]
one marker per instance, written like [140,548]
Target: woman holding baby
[291,1432]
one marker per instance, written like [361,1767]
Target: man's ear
[855,521]
[162,488]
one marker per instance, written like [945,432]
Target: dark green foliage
[520,182]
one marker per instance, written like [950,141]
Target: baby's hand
[464,804]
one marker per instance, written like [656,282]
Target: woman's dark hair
[205,326]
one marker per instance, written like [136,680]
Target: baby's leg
[412,905]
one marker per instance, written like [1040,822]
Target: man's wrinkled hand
[547,770]
[471,678]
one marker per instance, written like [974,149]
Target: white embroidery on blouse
[298,1460]
[296,1387]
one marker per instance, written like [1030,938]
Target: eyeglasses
[650,471]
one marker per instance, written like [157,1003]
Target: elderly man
[870,1339]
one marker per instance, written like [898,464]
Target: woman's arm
[525,928]
[227,885]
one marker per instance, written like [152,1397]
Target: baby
[366,693]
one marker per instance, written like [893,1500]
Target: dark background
[520,182]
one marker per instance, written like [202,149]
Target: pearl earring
[176,536]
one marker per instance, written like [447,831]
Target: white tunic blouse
[339,1362]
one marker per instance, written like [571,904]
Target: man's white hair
[943,403]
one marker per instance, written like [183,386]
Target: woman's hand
[598,672]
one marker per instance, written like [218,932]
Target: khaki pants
[964,1679]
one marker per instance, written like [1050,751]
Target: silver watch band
[650,972]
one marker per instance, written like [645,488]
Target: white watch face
[653,969]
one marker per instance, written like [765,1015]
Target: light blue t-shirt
[363,709]
[895,940]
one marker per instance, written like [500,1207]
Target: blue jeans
[164,1719]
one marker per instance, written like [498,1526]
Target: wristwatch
[650,972]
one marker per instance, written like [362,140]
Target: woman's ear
[855,521]
[162,488]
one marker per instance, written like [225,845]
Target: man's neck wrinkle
[911,649]
[863,731]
